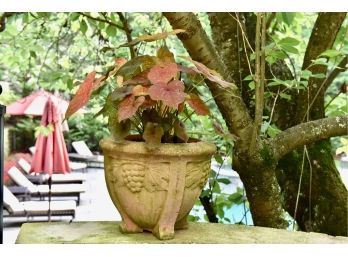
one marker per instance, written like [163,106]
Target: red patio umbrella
[34,104]
[51,154]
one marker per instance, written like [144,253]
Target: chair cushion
[81,148]
[77,165]
[21,180]
[62,188]
[39,206]
[76,176]
[11,202]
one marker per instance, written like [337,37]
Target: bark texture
[257,168]
[265,200]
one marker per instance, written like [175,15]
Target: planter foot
[129,227]
[181,224]
[163,232]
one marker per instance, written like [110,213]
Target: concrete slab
[201,233]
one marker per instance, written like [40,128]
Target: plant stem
[260,41]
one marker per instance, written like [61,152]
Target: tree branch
[322,38]
[101,20]
[340,68]
[260,40]
[209,209]
[306,133]
[200,48]
[128,32]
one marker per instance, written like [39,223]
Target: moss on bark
[325,208]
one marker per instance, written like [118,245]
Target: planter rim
[168,149]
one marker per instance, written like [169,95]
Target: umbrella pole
[2,112]
[49,197]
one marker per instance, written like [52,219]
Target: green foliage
[43,130]
[86,128]
[23,132]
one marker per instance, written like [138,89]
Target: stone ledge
[201,233]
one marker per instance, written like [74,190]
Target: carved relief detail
[197,174]
[133,176]
[137,175]
[157,177]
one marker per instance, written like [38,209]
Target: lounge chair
[75,166]
[15,208]
[43,190]
[83,153]
[76,177]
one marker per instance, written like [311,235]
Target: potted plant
[154,172]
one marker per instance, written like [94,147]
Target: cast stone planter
[154,188]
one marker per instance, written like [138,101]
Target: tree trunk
[263,193]
[257,169]
[324,207]
[265,199]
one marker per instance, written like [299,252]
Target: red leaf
[171,94]
[185,69]
[82,95]
[198,105]
[96,83]
[209,74]
[162,73]
[129,106]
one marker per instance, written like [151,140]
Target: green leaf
[101,25]
[69,83]
[33,54]
[305,74]
[43,14]
[205,193]
[285,96]
[290,41]
[216,188]
[252,85]
[212,174]
[111,31]
[83,26]
[289,49]
[218,158]
[225,181]
[288,17]
[318,75]
[236,198]
[74,16]
[220,212]
[320,61]
[331,53]
[249,77]
[272,131]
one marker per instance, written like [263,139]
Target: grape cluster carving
[133,176]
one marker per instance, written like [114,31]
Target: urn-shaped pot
[155,187]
